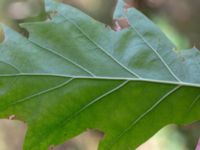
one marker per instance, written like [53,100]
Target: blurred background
[178,19]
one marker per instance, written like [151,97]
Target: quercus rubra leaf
[73,73]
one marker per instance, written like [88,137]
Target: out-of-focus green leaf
[73,73]
[180,40]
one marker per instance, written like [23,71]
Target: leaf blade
[61,88]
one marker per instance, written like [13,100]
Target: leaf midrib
[105,78]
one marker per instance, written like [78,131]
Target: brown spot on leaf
[121,23]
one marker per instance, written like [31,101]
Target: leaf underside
[73,73]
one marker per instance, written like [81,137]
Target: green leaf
[73,73]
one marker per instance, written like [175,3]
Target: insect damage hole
[120,24]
